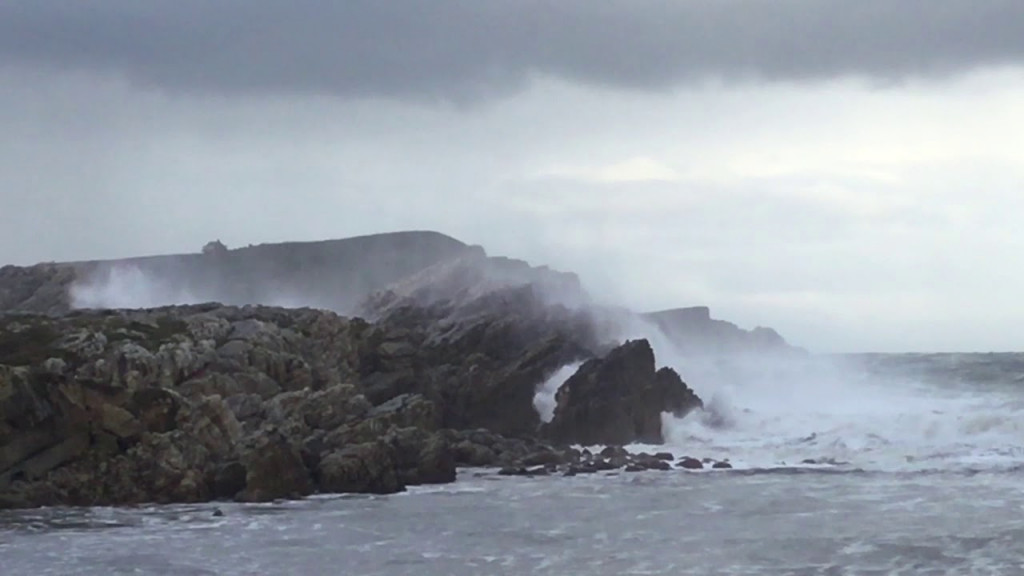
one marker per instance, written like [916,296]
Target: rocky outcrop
[469,278]
[480,360]
[191,403]
[334,275]
[255,403]
[41,288]
[619,399]
[695,332]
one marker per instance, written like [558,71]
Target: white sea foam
[544,399]
[126,286]
[767,413]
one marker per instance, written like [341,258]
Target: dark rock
[469,454]
[408,410]
[667,456]
[513,471]
[363,468]
[721,465]
[694,331]
[422,457]
[485,334]
[274,469]
[245,406]
[690,463]
[613,452]
[543,457]
[583,469]
[189,403]
[230,479]
[156,409]
[651,463]
[619,399]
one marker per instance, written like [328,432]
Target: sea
[852,464]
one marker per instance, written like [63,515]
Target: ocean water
[917,468]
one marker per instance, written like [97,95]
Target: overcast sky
[849,173]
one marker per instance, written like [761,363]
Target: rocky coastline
[432,374]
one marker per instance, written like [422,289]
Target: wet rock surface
[619,399]
[255,403]
[192,403]
[611,459]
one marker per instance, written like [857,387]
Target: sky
[848,173]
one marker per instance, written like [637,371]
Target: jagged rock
[274,469]
[422,457]
[613,452]
[192,402]
[365,468]
[248,275]
[407,410]
[544,458]
[695,332]
[469,454]
[477,335]
[42,288]
[619,399]
[229,480]
[513,471]
[246,406]
[648,462]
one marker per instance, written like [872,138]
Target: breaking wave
[835,412]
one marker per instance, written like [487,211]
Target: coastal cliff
[389,376]
[332,274]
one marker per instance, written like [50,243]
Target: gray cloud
[462,51]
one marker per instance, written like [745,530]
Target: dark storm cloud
[469,49]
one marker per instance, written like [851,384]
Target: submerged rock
[690,463]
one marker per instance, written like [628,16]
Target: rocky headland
[402,358]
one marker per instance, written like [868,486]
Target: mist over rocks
[694,332]
[397,359]
[361,276]
[482,359]
[41,288]
[462,281]
[332,275]
[619,399]
[191,403]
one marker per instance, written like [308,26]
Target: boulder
[619,399]
[274,469]
[422,457]
[690,463]
[365,468]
